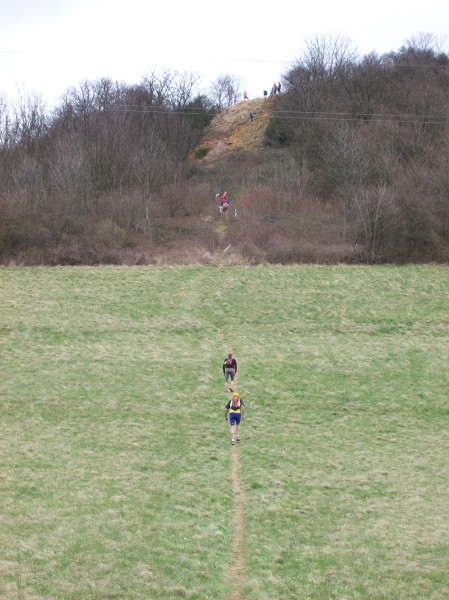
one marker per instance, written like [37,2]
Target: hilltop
[232,130]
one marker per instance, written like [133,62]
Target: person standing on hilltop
[229,370]
[245,96]
[279,87]
[236,410]
[265,94]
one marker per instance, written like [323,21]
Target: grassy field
[115,476]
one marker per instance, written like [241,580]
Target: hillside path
[236,568]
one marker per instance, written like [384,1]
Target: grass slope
[115,476]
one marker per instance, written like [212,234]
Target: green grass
[115,459]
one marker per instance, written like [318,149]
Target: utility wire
[205,111]
[232,60]
[298,115]
[281,114]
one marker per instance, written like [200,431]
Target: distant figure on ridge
[245,96]
[279,87]
[265,94]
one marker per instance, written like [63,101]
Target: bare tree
[373,208]
[322,63]
[386,153]
[224,90]
[173,197]
[368,84]
[70,174]
[425,44]
[97,121]
[29,123]
[24,136]
[153,168]
[169,98]
[90,98]
[5,119]
[153,162]
[345,162]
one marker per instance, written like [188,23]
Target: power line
[230,60]
[298,115]
[281,114]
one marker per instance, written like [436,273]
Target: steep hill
[233,130]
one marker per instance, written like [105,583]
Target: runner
[236,409]
[229,370]
[224,203]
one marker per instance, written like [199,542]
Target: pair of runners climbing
[235,408]
[224,202]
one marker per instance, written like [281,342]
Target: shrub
[201,152]
[110,234]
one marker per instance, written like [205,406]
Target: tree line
[372,133]
[111,164]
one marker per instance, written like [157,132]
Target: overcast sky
[48,45]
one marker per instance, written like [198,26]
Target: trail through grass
[237,563]
[115,460]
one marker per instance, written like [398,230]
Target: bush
[110,234]
[201,152]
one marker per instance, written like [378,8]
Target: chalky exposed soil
[233,130]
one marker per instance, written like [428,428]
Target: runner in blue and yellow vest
[236,410]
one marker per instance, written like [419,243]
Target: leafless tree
[373,208]
[173,197]
[96,120]
[170,89]
[153,168]
[29,123]
[4,123]
[91,97]
[312,75]
[345,162]
[169,99]
[24,134]
[70,174]
[224,90]
[423,44]
[368,84]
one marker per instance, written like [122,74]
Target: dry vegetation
[349,164]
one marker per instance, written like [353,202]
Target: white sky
[48,45]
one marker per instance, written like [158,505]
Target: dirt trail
[235,573]
[236,568]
